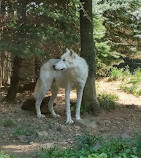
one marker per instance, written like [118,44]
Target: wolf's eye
[64,60]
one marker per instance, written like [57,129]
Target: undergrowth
[131,83]
[107,101]
[3,155]
[89,146]
[7,122]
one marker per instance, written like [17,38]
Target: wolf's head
[67,60]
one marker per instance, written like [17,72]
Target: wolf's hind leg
[39,99]
[54,91]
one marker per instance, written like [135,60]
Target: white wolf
[69,72]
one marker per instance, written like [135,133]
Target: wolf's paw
[78,118]
[69,121]
[56,116]
[40,116]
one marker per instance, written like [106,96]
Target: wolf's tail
[37,89]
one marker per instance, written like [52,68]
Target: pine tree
[122,22]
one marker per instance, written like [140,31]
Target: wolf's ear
[67,49]
[72,54]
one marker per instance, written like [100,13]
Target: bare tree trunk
[88,52]
[14,80]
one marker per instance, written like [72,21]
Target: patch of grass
[138,92]
[21,130]
[85,140]
[119,74]
[3,155]
[107,101]
[7,123]
[131,82]
[98,148]
[115,73]
[129,89]
[50,125]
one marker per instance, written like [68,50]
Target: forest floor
[22,134]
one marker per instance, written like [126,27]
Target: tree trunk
[88,52]
[14,80]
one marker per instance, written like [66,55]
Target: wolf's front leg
[38,111]
[79,99]
[67,99]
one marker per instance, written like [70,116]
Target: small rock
[87,123]
[47,145]
[125,136]
[61,128]
[42,134]
[23,139]
[107,122]
[19,120]
[96,146]
[77,127]
[33,144]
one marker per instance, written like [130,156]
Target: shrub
[131,81]
[107,101]
[130,89]
[21,130]
[115,74]
[108,148]
[3,155]
[6,123]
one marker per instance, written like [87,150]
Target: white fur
[69,72]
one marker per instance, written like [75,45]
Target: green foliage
[119,148]
[3,155]
[117,74]
[130,89]
[107,101]
[7,123]
[136,77]
[94,147]
[86,140]
[102,155]
[98,148]
[105,57]
[131,82]
[21,130]
[30,26]
[116,32]
[122,20]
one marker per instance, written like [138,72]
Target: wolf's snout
[63,69]
[54,67]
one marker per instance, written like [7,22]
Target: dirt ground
[124,121]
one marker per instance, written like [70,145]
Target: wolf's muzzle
[54,67]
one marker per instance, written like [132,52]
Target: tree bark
[12,91]
[88,52]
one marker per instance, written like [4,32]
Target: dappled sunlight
[104,86]
[19,150]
